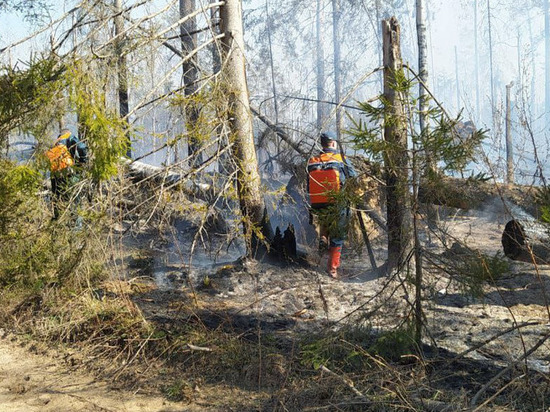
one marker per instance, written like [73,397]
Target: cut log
[527,241]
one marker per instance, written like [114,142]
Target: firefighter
[327,174]
[67,158]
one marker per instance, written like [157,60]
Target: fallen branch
[474,400]
[199,348]
[348,382]
[281,133]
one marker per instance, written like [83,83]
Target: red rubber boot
[334,254]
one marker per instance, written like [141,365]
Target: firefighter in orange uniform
[67,157]
[327,173]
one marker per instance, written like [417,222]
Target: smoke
[503,210]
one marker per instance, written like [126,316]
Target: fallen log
[142,172]
[527,241]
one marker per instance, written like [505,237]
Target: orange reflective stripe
[324,177]
[326,157]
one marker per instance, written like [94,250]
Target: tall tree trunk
[509,146]
[122,68]
[224,160]
[533,69]
[320,68]
[520,75]
[188,37]
[422,62]
[271,64]
[547,60]
[476,53]
[240,120]
[215,28]
[396,159]
[457,80]
[337,72]
[422,108]
[378,7]
[273,84]
[491,60]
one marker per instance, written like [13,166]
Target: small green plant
[542,199]
[316,353]
[476,270]
[344,349]
[177,391]
[392,345]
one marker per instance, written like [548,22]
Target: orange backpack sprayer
[59,155]
[324,178]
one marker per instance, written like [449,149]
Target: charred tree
[527,241]
[252,205]
[396,158]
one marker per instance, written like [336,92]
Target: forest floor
[266,305]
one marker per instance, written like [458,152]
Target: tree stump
[527,241]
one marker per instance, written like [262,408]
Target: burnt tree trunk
[396,158]
[527,241]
